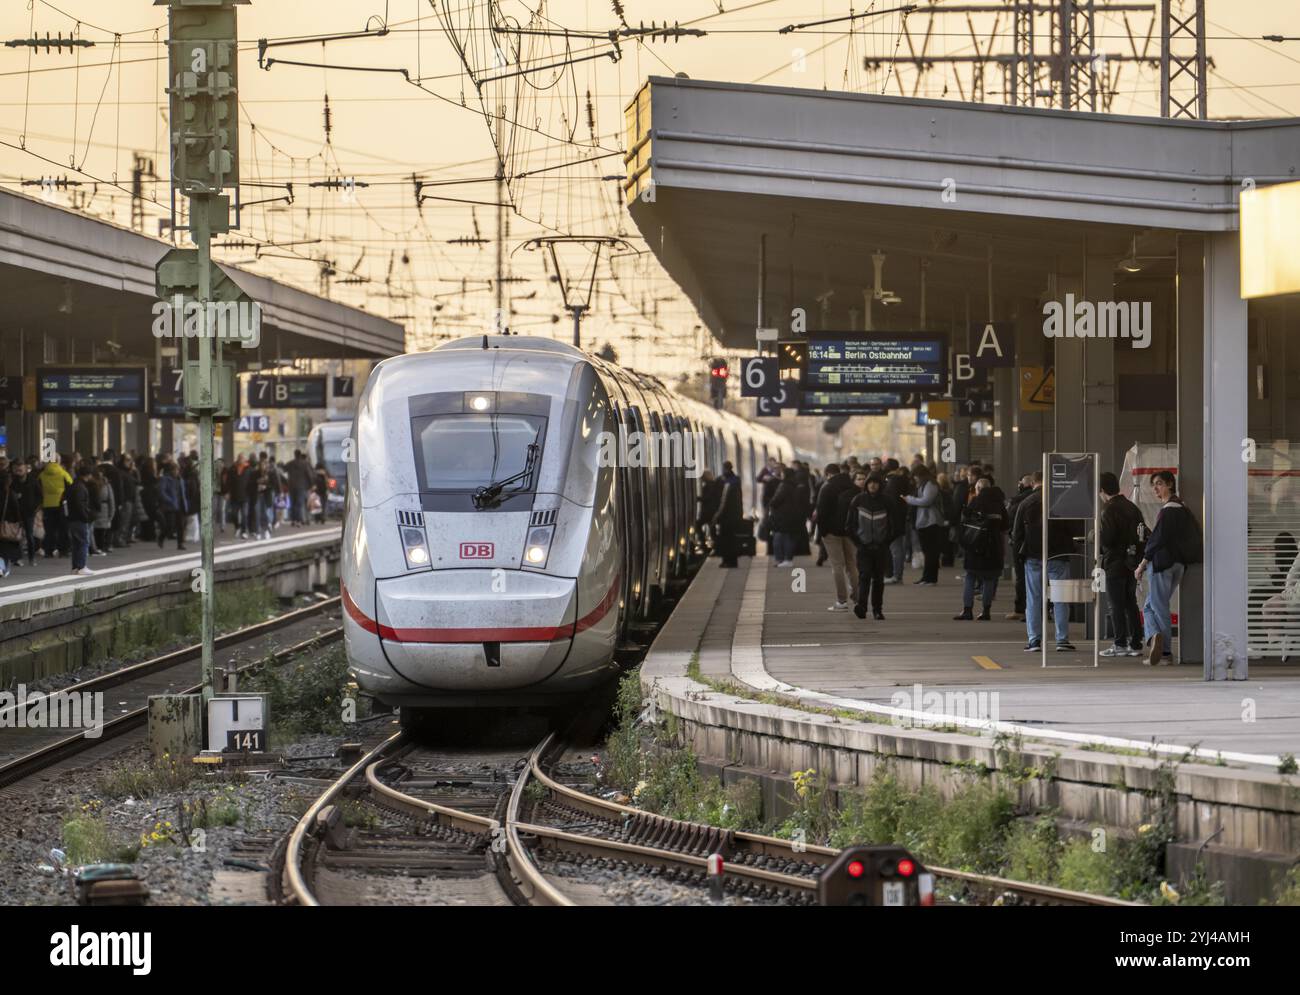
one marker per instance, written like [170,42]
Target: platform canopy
[73,275]
[831,178]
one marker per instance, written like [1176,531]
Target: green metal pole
[201,224]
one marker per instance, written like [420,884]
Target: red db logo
[477,550]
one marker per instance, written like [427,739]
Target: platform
[763,681]
[52,577]
[53,621]
[891,667]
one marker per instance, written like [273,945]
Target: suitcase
[746,544]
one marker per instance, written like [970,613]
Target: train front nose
[474,630]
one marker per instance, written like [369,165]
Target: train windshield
[468,451]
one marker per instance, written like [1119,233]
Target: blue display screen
[845,362]
[100,389]
[850,399]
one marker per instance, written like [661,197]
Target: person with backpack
[872,523]
[1121,536]
[983,523]
[1173,546]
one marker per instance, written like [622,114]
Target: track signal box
[875,875]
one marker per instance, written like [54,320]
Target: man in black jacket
[130,478]
[28,492]
[1121,549]
[1168,553]
[897,486]
[1027,540]
[728,517]
[80,516]
[872,519]
[839,547]
[1018,561]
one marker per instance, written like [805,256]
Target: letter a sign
[993,343]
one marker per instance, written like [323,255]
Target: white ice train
[492,555]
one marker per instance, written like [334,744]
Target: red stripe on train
[518,634]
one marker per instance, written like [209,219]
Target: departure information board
[91,389]
[826,402]
[857,360]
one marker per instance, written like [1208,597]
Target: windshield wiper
[486,497]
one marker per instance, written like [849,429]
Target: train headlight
[537,547]
[415,548]
[479,401]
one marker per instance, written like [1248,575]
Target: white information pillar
[1224,510]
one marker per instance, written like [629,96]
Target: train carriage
[517,510]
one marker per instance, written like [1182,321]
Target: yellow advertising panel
[1270,241]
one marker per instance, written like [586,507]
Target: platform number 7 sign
[343,386]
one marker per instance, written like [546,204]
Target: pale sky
[82,113]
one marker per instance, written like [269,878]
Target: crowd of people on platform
[78,507]
[871,520]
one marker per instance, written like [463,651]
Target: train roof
[558,351]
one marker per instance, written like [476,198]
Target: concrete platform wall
[1255,813]
[76,626]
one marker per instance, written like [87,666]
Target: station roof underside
[64,272]
[831,177]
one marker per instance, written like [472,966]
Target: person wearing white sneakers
[1122,536]
[1174,544]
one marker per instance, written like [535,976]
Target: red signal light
[856,868]
[906,868]
[721,372]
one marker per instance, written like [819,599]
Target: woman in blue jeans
[1165,555]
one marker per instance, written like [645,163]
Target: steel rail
[102,682]
[761,845]
[31,763]
[294,883]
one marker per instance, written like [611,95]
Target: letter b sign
[760,376]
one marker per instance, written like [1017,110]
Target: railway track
[443,823]
[541,822]
[27,751]
[756,865]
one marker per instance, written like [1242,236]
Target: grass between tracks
[977,825]
[311,696]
